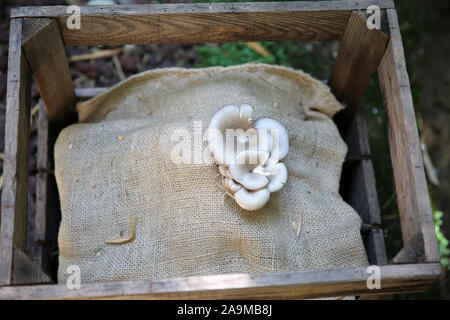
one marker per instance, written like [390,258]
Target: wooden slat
[357,139]
[407,162]
[47,214]
[359,189]
[283,285]
[363,198]
[360,52]
[44,50]
[377,253]
[43,166]
[15,174]
[197,23]
[43,150]
[182,8]
[364,195]
[27,271]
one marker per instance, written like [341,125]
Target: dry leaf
[257,47]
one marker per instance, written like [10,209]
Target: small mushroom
[231,185]
[252,200]
[278,178]
[242,167]
[239,120]
[278,137]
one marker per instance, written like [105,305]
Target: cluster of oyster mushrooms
[248,154]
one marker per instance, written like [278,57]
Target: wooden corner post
[419,238]
[15,171]
[44,50]
[35,46]
[361,49]
[360,52]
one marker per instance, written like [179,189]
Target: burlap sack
[116,163]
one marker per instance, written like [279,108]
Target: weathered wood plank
[357,139]
[43,166]
[47,214]
[27,271]
[371,206]
[406,155]
[43,161]
[44,50]
[206,27]
[197,23]
[283,285]
[360,52]
[13,228]
[377,253]
[359,188]
[183,8]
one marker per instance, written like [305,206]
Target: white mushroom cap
[229,117]
[232,117]
[279,137]
[278,178]
[252,200]
[242,167]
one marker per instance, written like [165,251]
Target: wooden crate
[37,39]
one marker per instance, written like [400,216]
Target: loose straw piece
[220,186]
[429,167]
[300,219]
[95,55]
[35,110]
[124,240]
[257,47]
[119,67]
[141,97]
